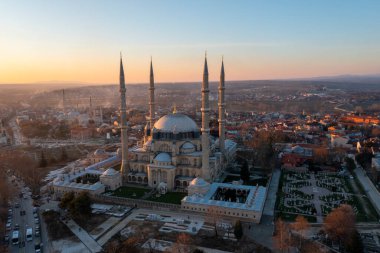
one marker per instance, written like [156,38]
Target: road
[24,221]
[17,136]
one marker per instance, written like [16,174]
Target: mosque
[175,150]
[175,154]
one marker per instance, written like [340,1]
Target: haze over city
[61,42]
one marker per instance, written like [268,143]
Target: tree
[81,205]
[350,164]
[282,238]
[339,225]
[214,217]
[66,200]
[64,155]
[43,161]
[238,231]
[355,244]
[183,244]
[244,172]
[301,225]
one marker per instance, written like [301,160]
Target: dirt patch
[56,229]
[92,222]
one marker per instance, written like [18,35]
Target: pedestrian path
[272,193]
[83,236]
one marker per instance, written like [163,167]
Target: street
[23,217]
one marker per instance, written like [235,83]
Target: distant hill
[369,79]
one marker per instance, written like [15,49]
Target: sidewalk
[82,235]
[272,193]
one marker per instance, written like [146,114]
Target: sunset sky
[70,41]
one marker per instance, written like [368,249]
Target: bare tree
[301,225]
[183,244]
[282,237]
[339,225]
[214,217]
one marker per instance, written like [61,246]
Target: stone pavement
[272,193]
[369,188]
[83,236]
[105,237]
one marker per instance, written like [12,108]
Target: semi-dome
[176,122]
[163,157]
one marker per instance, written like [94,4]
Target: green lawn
[170,197]
[129,192]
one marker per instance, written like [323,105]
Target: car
[37,233]
[8,226]
[38,248]
[17,226]
[35,209]
[35,215]
[36,221]
[6,238]
[17,205]
[37,227]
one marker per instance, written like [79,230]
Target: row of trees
[338,227]
[78,206]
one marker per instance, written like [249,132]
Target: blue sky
[80,40]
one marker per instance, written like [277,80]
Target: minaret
[151,96]
[205,124]
[91,114]
[123,114]
[63,101]
[221,107]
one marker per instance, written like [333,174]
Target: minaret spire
[151,96]
[205,124]
[123,115]
[221,108]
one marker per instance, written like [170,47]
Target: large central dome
[177,123]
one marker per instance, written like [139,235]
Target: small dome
[163,157]
[188,145]
[99,152]
[199,182]
[109,172]
[176,122]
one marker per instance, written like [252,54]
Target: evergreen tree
[43,162]
[244,172]
[238,231]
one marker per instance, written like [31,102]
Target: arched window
[164,148]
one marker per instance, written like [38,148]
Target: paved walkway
[369,188]
[317,203]
[85,238]
[105,237]
[272,193]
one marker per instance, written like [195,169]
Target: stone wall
[139,203]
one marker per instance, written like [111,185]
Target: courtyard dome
[198,186]
[163,157]
[176,122]
[109,172]
[200,182]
